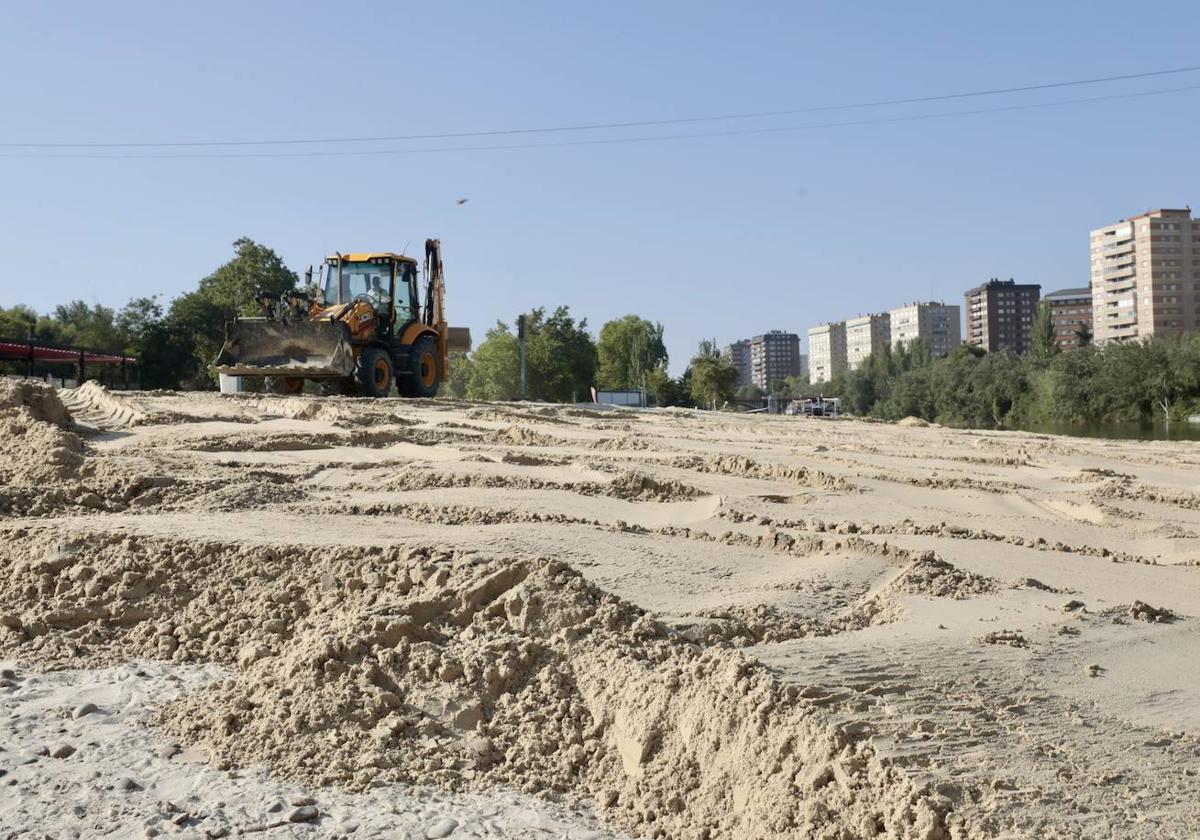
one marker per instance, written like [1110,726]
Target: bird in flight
[461,201]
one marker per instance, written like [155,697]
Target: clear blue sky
[719,237]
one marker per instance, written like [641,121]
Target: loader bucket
[458,340]
[267,347]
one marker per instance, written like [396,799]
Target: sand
[530,620]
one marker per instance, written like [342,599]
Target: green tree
[713,376]
[17,321]
[1045,340]
[495,366]
[1083,334]
[629,349]
[664,390]
[560,356]
[93,327]
[459,375]
[166,356]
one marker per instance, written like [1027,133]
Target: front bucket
[263,347]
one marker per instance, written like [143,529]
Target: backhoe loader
[364,330]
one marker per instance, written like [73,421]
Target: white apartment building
[866,335]
[1145,276]
[936,322]
[826,351]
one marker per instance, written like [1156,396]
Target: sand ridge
[702,625]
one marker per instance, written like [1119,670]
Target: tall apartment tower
[935,322]
[738,354]
[1070,309]
[826,351]
[773,356]
[1000,315]
[865,335]
[1145,274]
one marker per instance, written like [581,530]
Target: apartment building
[1000,315]
[738,354]
[865,335]
[1145,274]
[1070,309]
[937,323]
[773,356]
[826,351]
[804,366]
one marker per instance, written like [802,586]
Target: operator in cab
[377,295]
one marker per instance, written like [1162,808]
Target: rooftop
[996,282]
[1063,294]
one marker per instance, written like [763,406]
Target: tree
[628,350]
[17,321]
[201,315]
[495,366]
[1045,339]
[560,356]
[166,356]
[458,377]
[713,376]
[1083,334]
[93,327]
[664,390]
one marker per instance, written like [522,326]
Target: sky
[716,237]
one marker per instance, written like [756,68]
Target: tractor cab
[385,281]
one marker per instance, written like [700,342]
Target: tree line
[1155,379]
[563,362]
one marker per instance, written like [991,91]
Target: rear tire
[373,374]
[283,384]
[426,372]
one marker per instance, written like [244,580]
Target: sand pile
[740,465]
[635,486]
[39,400]
[930,575]
[37,449]
[358,666]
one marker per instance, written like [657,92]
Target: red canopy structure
[33,352]
[12,350]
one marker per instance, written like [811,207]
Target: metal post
[79,379]
[521,341]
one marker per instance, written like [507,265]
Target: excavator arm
[450,339]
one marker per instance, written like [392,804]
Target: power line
[603,141]
[602,126]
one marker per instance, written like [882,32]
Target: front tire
[373,374]
[426,373]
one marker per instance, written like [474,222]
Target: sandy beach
[310,616]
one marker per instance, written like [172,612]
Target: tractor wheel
[373,374]
[426,375]
[336,387]
[283,384]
